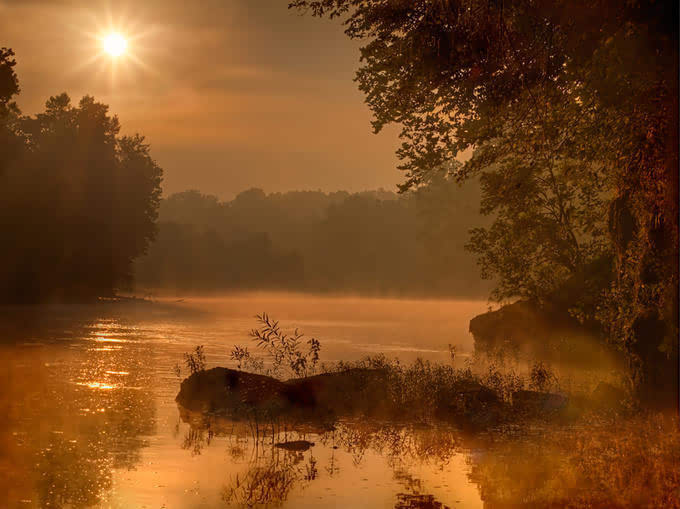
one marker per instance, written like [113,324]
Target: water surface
[90,416]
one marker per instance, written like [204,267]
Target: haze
[231,95]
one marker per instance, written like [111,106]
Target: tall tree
[78,203]
[581,94]
[9,87]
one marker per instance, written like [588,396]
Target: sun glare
[114,44]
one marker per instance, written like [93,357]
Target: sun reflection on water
[99,385]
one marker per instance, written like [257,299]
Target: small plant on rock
[195,360]
[290,355]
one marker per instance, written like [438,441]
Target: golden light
[114,44]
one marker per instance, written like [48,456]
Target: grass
[587,454]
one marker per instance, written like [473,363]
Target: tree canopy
[570,110]
[79,201]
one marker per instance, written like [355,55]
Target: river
[90,417]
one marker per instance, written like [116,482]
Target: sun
[114,44]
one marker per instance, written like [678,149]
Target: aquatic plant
[195,361]
[244,360]
[287,354]
[269,479]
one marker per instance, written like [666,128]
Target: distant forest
[374,242]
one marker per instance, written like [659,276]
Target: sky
[231,94]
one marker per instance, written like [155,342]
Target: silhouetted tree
[79,203]
[9,87]
[579,94]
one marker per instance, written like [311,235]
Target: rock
[221,389]
[417,501]
[295,445]
[548,332]
[349,392]
[538,402]
[472,406]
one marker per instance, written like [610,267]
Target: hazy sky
[231,94]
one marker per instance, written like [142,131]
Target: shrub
[195,360]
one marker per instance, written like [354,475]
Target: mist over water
[91,418]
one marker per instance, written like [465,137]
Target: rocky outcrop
[518,324]
[221,389]
[544,332]
[228,391]
[473,406]
[374,393]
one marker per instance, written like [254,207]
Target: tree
[9,87]
[549,208]
[585,90]
[79,204]
[9,83]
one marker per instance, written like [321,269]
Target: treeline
[78,201]
[373,242]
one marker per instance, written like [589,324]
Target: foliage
[317,241]
[541,378]
[195,360]
[549,207]
[570,108]
[9,84]
[286,350]
[608,463]
[287,354]
[78,201]
[244,360]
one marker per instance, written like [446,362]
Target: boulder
[224,389]
[228,391]
[472,406]
[348,392]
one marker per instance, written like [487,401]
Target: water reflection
[90,420]
[276,461]
[74,413]
[269,478]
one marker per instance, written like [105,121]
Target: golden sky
[231,94]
